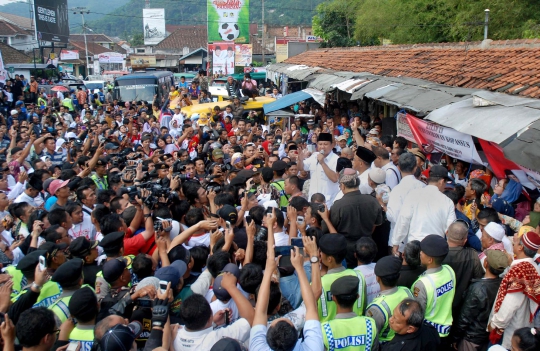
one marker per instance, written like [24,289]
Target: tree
[137,39]
[335,22]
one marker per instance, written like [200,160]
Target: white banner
[403,127]
[69,55]
[111,57]
[154,26]
[3,72]
[431,136]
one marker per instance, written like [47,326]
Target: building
[17,31]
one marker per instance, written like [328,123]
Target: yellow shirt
[467,210]
[174,94]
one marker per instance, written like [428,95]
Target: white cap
[261,199]
[377,175]
[495,230]
[71,135]
[14,112]
[271,203]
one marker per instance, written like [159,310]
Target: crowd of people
[131,227]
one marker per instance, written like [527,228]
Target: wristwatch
[314,259]
[35,286]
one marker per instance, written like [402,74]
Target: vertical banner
[51,20]
[222,57]
[154,26]
[431,136]
[282,49]
[228,20]
[242,54]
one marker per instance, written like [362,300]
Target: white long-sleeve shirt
[320,183]
[425,211]
[396,199]
[515,310]
[393,175]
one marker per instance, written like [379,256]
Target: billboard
[282,49]
[51,20]
[69,55]
[222,57]
[110,57]
[228,20]
[142,61]
[154,26]
[242,54]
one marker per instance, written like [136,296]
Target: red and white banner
[69,55]
[434,137]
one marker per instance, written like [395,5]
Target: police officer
[113,247]
[333,249]
[86,250]
[387,273]
[100,175]
[32,284]
[279,167]
[435,288]
[54,259]
[83,306]
[348,331]
[69,277]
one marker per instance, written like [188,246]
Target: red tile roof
[98,38]
[194,37]
[510,66]
[12,55]
[93,48]
[9,29]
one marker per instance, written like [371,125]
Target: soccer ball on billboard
[229,31]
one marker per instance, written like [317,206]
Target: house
[11,55]
[16,31]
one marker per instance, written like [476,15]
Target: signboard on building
[110,57]
[282,49]
[228,20]
[242,54]
[154,26]
[312,38]
[69,55]
[51,18]
[3,72]
[142,61]
[222,57]
[67,67]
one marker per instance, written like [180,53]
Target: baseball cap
[14,112]
[57,184]
[228,213]
[438,171]
[169,274]
[121,337]
[111,146]
[113,269]
[497,259]
[217,153]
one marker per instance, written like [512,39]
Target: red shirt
[134,245]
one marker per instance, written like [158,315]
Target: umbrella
[59,88]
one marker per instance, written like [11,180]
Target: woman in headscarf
[506,192]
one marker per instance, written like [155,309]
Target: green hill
[126,20]
[97,10]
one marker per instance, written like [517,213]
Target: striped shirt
[57,158]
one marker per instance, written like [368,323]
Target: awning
[350,85]
[525,149]
[495,123]
[417,99]
[377,94]
[368,87]
[298,72]
[286,101]
[325,81]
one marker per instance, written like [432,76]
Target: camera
[158,225]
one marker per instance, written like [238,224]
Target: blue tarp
[286,101]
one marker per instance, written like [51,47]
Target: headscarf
[350,138]
[512,191]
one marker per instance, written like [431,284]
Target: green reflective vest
[386,304]
[349,334]
[283,198]
[50,292]
[440,291]
[327,308]
[60,306]
[19,280]
[84,336]
[101,183]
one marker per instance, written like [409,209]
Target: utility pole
[82,11]
[486,21]
[263,35]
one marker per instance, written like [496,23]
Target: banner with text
[222,57]
[69,55]
[431,136]
[228,20]
[52,20]
[242,54]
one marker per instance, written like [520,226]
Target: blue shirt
[313,338]
[57,158]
